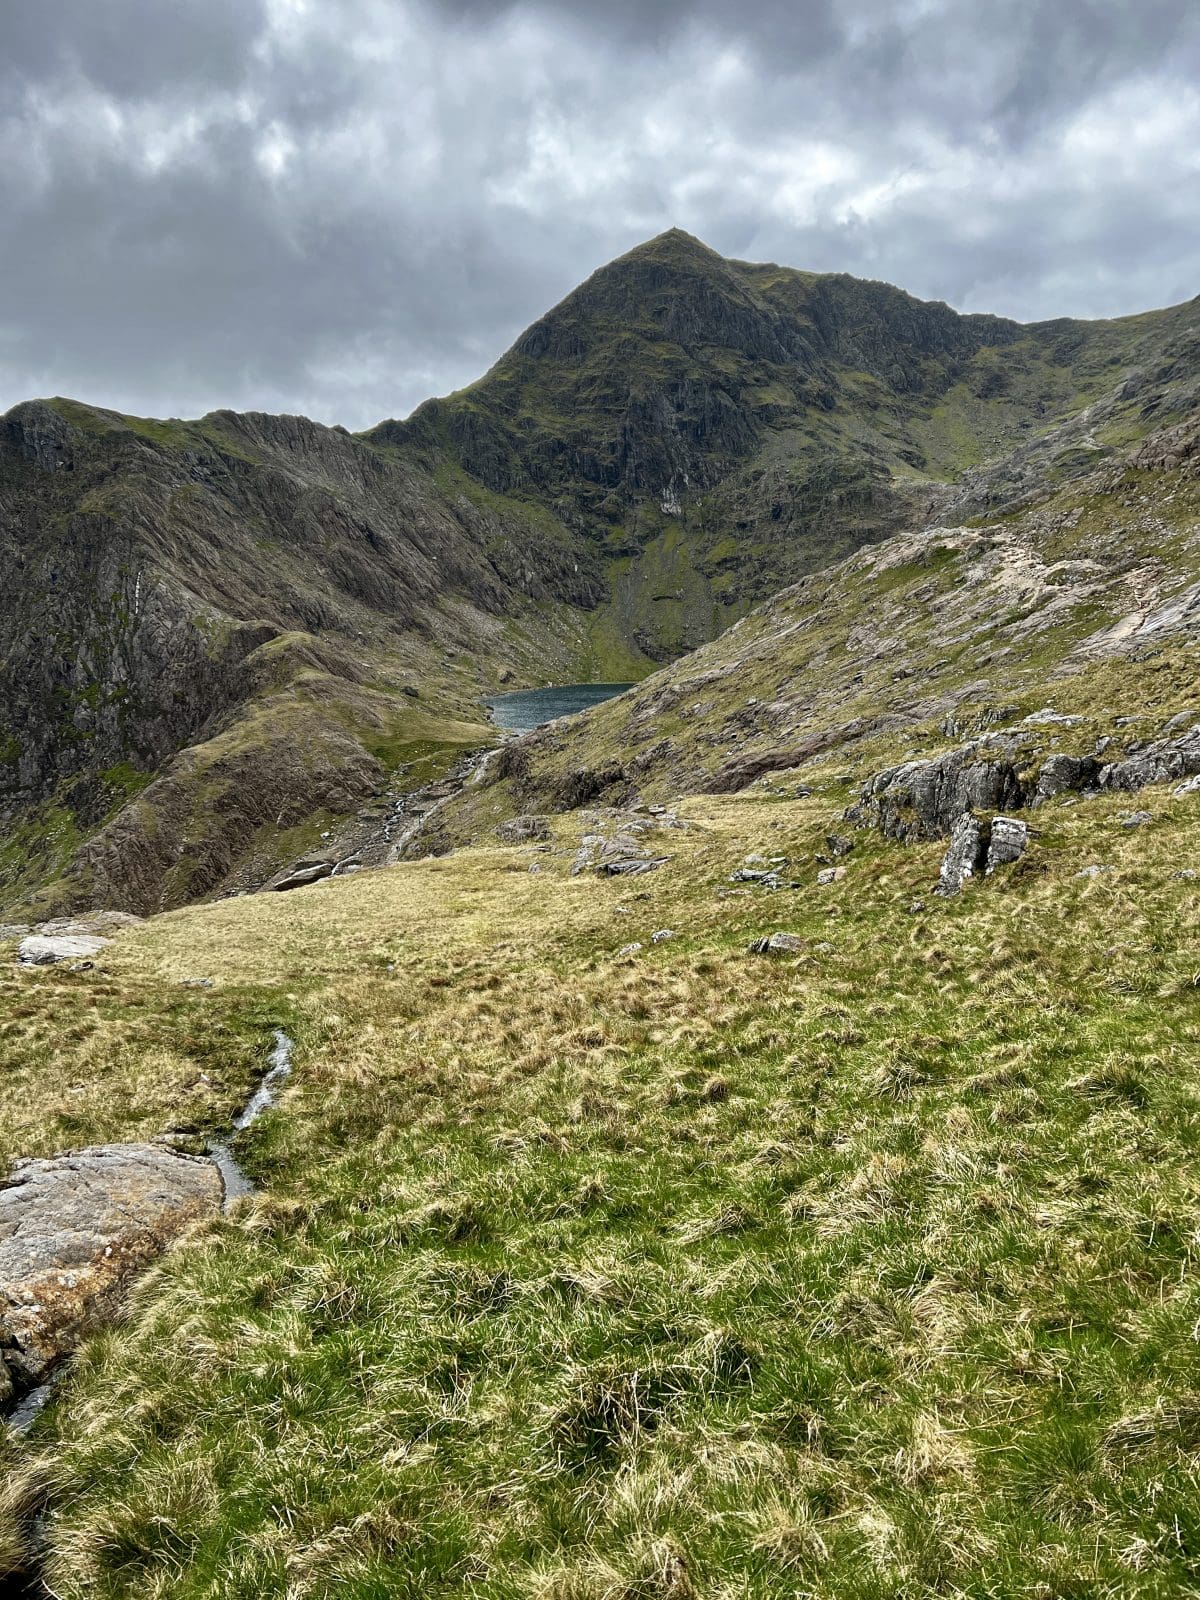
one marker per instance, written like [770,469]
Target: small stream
[264,1097]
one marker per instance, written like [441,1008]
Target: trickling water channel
[28,1584]
[26,1409]
[264,1097]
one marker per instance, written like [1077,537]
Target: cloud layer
[342,206]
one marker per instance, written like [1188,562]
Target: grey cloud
[130,47]
[340,206]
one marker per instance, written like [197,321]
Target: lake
[529,708]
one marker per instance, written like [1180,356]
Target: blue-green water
[529,708]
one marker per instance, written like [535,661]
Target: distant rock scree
[74,1230]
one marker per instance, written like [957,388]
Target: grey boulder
[1007,842]
[962,857]
[74,1230]
[1063,774]
[777,944]
[303,873]
[43,950]
[518,829]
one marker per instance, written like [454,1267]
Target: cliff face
[1065,631]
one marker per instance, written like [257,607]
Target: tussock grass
[863,1272]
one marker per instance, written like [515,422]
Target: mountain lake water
[529,708]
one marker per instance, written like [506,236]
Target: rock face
[1156,763]
[74,1230]
[1007,842]
[1061,774]
[925,799]
[963,856]
[518,829]
[304,872]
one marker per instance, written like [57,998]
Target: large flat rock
[74,1230]
[44,950]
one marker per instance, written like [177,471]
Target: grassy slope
[863,1272]
[371,578]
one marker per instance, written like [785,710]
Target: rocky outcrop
[517,830]
[39,950]
[963,857]
[303,872]
[742,770]
[74,1230]
[1162,761]
[925,799]
[1008,840]
[1060,774]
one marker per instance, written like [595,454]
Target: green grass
[866,1272]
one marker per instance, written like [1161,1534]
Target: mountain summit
[718,428]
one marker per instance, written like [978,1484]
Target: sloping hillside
[221,639]
[1087,604]
[757,1155]
[279,601]
[591,1261]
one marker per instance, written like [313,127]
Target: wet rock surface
[74,1230]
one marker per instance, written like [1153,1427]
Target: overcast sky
[342,206]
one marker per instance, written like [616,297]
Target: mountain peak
[675,248]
